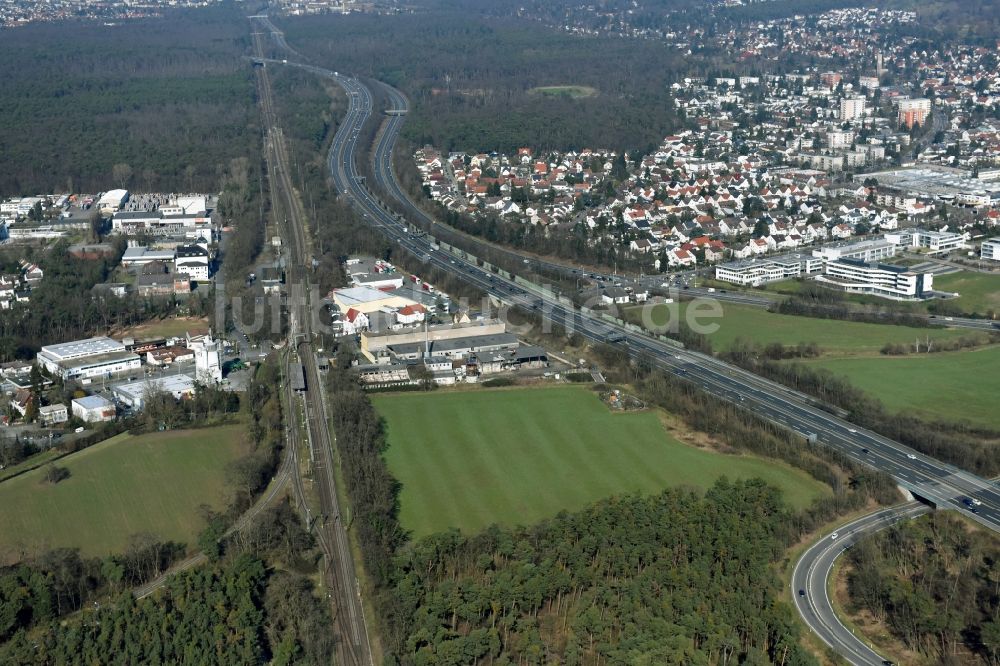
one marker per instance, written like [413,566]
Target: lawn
[574,92]
[468,459]
[834,336]
[951,385]
[980,292]
[167,328]
[122,486]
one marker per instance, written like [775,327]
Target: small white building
[93,409]
[112,201]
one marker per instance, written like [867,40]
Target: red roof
[416,308]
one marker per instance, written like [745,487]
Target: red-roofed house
[411,314]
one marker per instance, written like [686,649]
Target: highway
[342,584]
[810,591]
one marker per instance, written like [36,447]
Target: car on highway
[802,593]
[865,451]
[911,456]
[852,430]
[834,535]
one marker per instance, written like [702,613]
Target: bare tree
[121,173]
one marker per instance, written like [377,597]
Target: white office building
[869,250]
[990,249]
[934,241]
[885,280]
[755,272]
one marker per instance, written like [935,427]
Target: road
[344,591]
[810,591]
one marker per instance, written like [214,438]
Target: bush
[54,474]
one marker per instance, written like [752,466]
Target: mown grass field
[834,336]
[980,293]
[575,92]
[168,328]
[473,458]
[123,486]
[951,385]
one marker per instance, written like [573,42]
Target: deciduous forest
[173,99]
[933,583]
[473,80]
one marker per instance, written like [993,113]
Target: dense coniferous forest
[172,98]
[239,610]
[933,583]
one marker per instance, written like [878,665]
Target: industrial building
[93,409]
[135,394]
[83,359]
[112,201]
[938,182]
[366,299]
[376,345]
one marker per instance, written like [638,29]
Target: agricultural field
[950,385]
[468,459]
[979,292]
[573,92]
[833,336]
[125,485]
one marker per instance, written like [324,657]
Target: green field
[980,292]
[473,458]
[758,325]
[123,486]
[575,92]
[168,328]
[951,385]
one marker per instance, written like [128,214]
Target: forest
[471,79]
[241,609]
[172,98]
[932,582]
